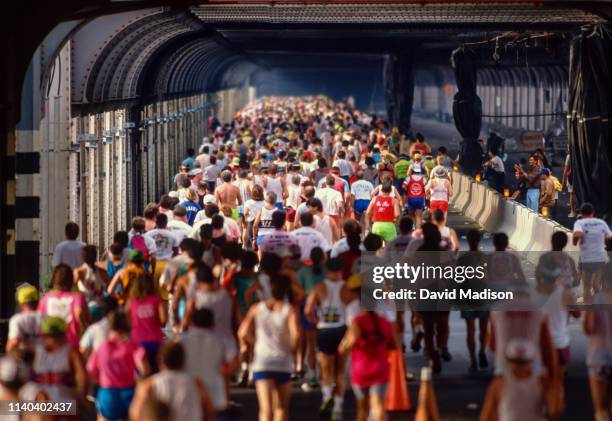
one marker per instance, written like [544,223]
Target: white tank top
[92,285]
[439,191]
[332,312]
[272,350]
[220,303]
[552,306]
[265,293]
[323,225]
[274,185]
[179,391]
[521,399]
[57,362]
[265,221]
[516,324]
[294,193]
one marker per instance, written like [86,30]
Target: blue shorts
[279,205]
[241,211]
[329,338]
[113,403]
[152,350]
[416,203]
[306,325]
[260,239]
[279,377]
[591,267]
[361,205]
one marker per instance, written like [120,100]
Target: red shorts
[438,204]
[335,218]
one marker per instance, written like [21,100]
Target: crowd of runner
[246,273]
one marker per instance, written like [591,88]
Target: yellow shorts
[160,266]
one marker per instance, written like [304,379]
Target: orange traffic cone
[397,398]
[427,407]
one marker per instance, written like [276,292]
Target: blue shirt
[192,210]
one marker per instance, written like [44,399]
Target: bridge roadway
[460,394]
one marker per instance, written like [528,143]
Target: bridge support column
[590,117]
[467,109]
[398,77]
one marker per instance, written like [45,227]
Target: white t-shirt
[165,240]
[198,342]
[346,169]
[254,207]
[68,252]
[276,240]
[362,190]
[309,238]
[94,335]
[497,164]
[594,232]
[25,325]
[180,229]
[331,199]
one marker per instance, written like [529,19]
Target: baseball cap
[27,293]
[416,169]
[296,165]
[236,161]
[53,326]
[195,171]
[209,198]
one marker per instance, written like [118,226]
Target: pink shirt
[64,304]
[144,315]
[369,356]
[114,363]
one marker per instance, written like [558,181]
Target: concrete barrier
[528,233]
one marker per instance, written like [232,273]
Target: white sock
[338,400]
[327,392]
[244,366]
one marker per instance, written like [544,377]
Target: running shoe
[571,214]
[446,356]
[336,415]
[326,407]
[415,343]
[435,363]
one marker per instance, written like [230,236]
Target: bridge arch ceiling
[151,54]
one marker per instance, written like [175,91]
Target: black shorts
[328,339]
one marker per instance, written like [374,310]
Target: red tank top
[415,188]
[383,209]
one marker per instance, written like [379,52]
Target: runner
[262,225]
[227,194]
[439,190]
[382,213]
[326,307]
[308,238]
[598,328]
[272,328]
[64,303]
[414,186]
[69,251]
[113,366]
[590,234]
[475,258]
[24,326]
[89,278]
[361,195]
[185,396]
[166,245]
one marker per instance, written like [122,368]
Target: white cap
[173,193]
[9,369]
[209,198]
[195,171]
